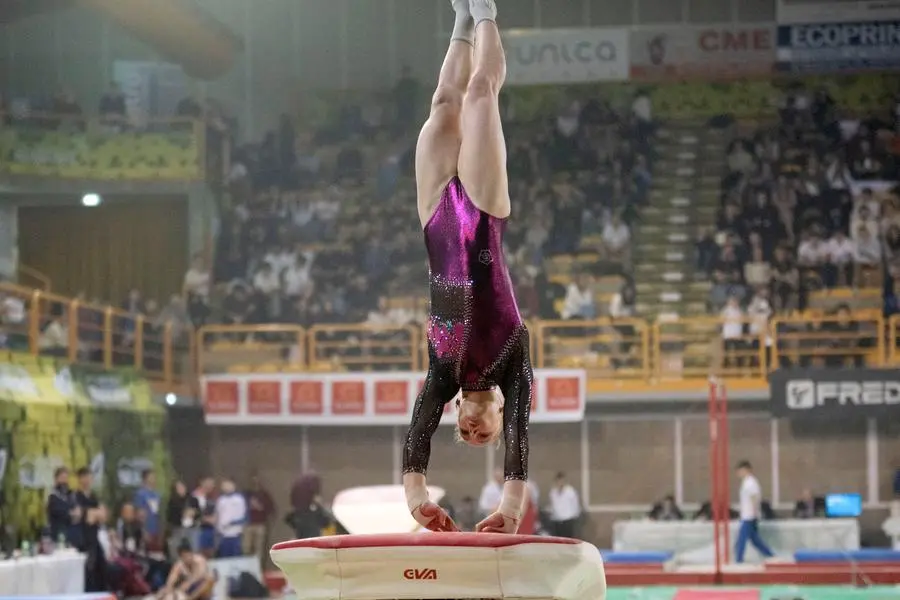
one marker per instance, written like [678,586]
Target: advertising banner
[540,56]
[709,51]
[47,381]
[362,399]
[833,11]
[171,156]
[835,393]
[835,47]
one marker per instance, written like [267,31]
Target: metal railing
[621,350]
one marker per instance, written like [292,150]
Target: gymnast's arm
[426,417]
[518,384]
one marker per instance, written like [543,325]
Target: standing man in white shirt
[491,494]
[751,503]
[565,507]
[231,516]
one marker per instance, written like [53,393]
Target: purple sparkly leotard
[476,337]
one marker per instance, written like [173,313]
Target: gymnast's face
[479,420]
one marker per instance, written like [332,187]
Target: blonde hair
[495,440]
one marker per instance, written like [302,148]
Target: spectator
[757,270]
[182,516]
[231,516]
[565,507]
[175,315]
[297,278]
[112,109]
[190,577]
[616,238]
[204,495]
[759,311]
[666,510]
[54,338]
[579,302]
[89,505]
[808,506]
[63,513]
[197,280]
[868,247]
[261,510]
[491,494]
[237,306]
[147,500]
[867,163]
[308,517]
[750,513]
[131,533]
[267,284]
[733,331]
[841,254]
[785,281]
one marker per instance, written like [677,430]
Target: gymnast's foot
[483,10]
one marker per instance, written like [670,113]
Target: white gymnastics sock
[483,10]
[464,26]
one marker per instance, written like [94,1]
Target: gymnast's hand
[498,523]
[434,518]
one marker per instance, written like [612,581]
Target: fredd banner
[835,393]
[541,56]
[709,51]
[362,399]
[836,47]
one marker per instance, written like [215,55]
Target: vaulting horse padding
[440,566]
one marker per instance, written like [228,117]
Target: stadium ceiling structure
[181,32]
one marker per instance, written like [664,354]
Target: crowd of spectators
[809,203]
[320,225]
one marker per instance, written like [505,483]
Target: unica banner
[752,593]
[101,155]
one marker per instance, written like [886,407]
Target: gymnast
[477,343]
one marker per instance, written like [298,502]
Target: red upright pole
[725,442]
[714,470]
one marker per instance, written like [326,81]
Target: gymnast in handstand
[477,342]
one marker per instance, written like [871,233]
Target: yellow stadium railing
[605,348]
[366,347]
[698,347]
[251,348]
[616,353]
[31,277]
[46,324]
[829,341]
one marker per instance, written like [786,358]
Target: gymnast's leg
[482,154]
[437,151]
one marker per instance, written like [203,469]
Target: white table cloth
[693,543]
[57,574]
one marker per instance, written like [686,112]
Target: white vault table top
[438,566]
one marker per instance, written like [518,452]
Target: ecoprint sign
[835,393]
[831,47]
[566,55]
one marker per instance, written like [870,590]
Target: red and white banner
[709,51]
[362,399]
